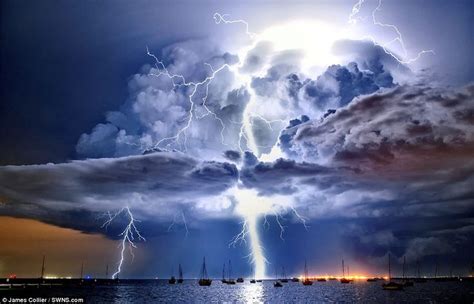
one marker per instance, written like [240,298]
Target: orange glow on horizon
[338,277]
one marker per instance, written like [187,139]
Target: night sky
[316,132]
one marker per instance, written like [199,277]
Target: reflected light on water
[252,293]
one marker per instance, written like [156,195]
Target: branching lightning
[183,221]
[353,19]
[250,216]
[129,235]
[179,80]
[222,18]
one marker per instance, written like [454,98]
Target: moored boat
[391,285]
[343,279]
[306,280]
[204,280]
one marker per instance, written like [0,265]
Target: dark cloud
[154,185]
[232,155]
[391,129]
[343,83]
[279,177]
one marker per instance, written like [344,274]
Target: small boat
[295,280]
[277,284]
[240,280]
[172,280]
[343,279]
[332,279]
[180,278]
[321,280]
[230,281]
[204,280]
[306,280]
[372,280]
[259,281]
[253,281]
[391,285]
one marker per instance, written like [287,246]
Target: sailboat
[253,281]
[306,280]
[204,280]
[223,275]
[277,283]
[344,280]
[391,285]
[180,277]
[172,280]
[283,279]
[406,282]
[230,281]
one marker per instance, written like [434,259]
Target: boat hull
[205,282]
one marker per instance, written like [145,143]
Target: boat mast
[204,270]
[343,269]
[107,271]
[389,270]
[305,271]
[82,270]
[180,272]
[403,275]
[42,268]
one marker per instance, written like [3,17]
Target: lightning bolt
[178,80]
[222,18]
[249,224]
[129,235]
[183,221]
[353,19]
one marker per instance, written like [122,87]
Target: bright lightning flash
[129,235]
[317,52]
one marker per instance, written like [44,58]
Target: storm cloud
[155,185]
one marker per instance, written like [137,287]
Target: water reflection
[252,293]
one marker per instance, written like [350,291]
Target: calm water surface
[320,292]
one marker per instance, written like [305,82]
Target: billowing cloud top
[354,143]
